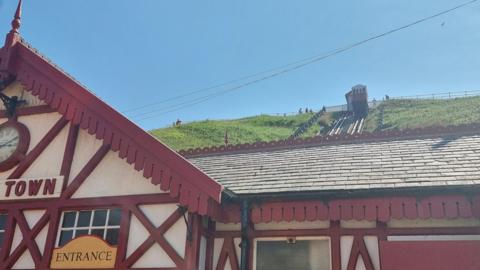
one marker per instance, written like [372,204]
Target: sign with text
[31,188]
[84,252]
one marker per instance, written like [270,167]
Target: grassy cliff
[397,114]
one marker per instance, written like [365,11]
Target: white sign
[31,188]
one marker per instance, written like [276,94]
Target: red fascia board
[381,209]
[136,137]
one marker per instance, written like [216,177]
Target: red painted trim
[87,202]
[25,111]
[68,154]
[371,209]
[210,245]
[123,237]
[38,149]
[359,249]
[228,252]
[80,106]
[335,245]
[23,142]
[53,227]
[192,248]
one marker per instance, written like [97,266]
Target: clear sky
[132,53]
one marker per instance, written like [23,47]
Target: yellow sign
[84,252]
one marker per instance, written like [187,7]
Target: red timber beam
[156,236]
[371,209]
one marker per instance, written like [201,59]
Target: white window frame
[90,227]
[285,238]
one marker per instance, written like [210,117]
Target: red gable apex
[61,92]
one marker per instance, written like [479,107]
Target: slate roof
[450,160]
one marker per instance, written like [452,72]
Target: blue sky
[132,53]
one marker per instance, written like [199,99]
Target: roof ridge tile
[409,133]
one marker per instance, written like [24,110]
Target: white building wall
[114,177]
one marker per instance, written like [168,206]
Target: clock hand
[2,145]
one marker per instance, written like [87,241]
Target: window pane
[112,236]
[98,232]
[100,218]
[114,218]
[3,221]
[65,236]
[302,255]
[80,232]
[68,219]
[1,238]
[84,218]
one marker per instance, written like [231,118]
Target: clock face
[14,141]
[9,141]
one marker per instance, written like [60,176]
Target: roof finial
[16,18]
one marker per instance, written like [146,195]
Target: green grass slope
[398,114]
[410,113]
[244,130]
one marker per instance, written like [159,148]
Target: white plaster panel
[86,146]
[5,174]
[371,242]
[25,261]
[177,236]
[292,225]
[41,239]
[228,265]
[360,264]
[115,177]
[227,226]
[17,89]
[136,236]
[39,125]
[358,224]
[158,213]
[346,243]
[217,249]
[17,238]
[433,238]
[203,253]
[418,223]
[154,257]
[33,216]
[238,250]
[50,160]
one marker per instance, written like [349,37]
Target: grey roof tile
[369,165]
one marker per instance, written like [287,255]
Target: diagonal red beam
[156,235]
[85,172]
[38,149]
[28,238]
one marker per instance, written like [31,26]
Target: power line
[299,64]
[221,84]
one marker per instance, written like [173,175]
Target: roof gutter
[232,197]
